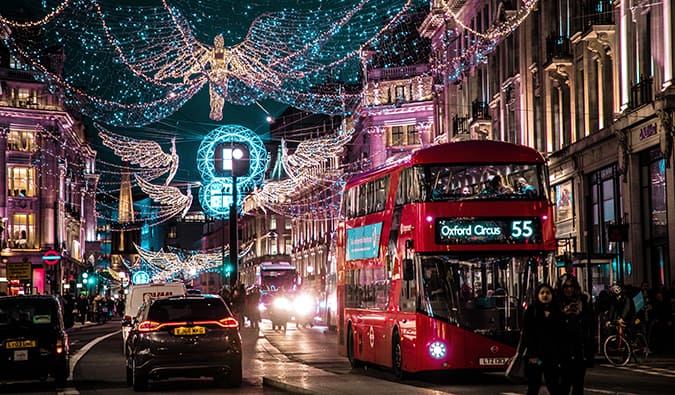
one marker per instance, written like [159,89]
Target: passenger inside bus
[496,186]
[524,188]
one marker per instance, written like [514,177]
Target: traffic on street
[305,361]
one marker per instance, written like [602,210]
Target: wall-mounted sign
[488,231]
[19,271]
[51,257]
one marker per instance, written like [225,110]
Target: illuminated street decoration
[484,42]
[145,153]
[168,195]
[312,186]
[133,65]
[140,277]
[216,186]
[180,264]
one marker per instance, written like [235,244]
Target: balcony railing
[480,110]
[557,47]
[460,125]
[598,12]
[641,93]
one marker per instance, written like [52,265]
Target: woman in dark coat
[577,343]
[541,336]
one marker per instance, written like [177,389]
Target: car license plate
[188,331]
[20,344]
[493,361]
[21,355]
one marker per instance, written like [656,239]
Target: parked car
[34,339]
[184,336]
[141,293]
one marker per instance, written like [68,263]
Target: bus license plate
[21,355]
[189,331]
[493,361]
[20,344]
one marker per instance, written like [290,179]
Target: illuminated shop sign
[487,231]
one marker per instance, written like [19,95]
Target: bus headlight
[438,350]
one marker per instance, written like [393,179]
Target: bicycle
[621,346]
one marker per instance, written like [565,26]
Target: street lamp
[232,159]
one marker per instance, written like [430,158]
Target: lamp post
[234,162]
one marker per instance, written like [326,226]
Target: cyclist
[621,309]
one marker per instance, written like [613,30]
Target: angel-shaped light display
[145,153]
[167,195]
[182,264]
[130,65]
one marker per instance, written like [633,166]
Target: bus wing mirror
[408,270]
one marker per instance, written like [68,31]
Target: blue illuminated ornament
[140,277]
[215,195]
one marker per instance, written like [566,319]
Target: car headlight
[303,304]
[281,303]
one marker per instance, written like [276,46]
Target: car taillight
[61,344]
[228,322]
[149,326]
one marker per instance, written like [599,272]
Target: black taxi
[33,339]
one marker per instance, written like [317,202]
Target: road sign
[19,271]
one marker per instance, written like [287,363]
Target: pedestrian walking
[577,343]
[541,337]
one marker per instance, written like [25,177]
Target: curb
[289,388]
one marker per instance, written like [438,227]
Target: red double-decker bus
[435,254]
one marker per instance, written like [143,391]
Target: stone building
[47,204]
[590,84]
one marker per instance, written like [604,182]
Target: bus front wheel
[355,363]
[397,357]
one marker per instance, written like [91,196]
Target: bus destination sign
[503,230]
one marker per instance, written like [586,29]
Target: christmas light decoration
[132,65]
[167,195]
[216,188]
[181,264]
[484,42]
[314,185]
[145,153]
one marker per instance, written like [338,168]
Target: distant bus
[434,256]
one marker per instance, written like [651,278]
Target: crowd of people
[560,329]
[93,308]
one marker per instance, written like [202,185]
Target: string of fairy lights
[130,65]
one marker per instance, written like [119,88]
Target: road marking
[68,391]
[80,353]
[645,369]
[608,391]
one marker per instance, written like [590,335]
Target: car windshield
[179,310]
[28,312]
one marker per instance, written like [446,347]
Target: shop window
[605,208]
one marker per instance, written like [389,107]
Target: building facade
[47,203]
[589,83]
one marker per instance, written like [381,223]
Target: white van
[141,293]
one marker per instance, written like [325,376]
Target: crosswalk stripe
[652,371]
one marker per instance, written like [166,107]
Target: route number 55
[521,229]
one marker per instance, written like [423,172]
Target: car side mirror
[126,322]
[408,270]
